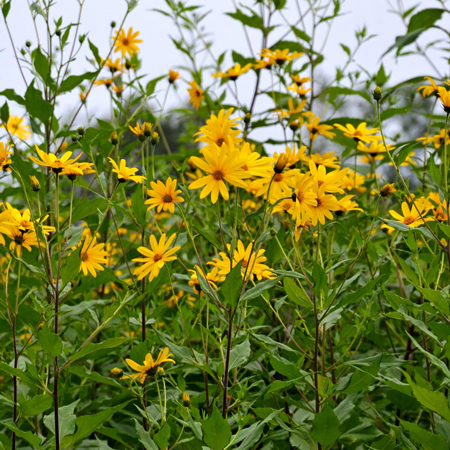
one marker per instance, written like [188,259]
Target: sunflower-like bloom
[195,94]
[212,277]
[279,56]
[439,207]
[331,181]
[299,80]
[150,366]
[53,162]
[125,173]
[142,132]
[387,190]
[347,204]
[428,90]
[252,162]
[305,197]
[293,155]
[354,180]
[252,264]
[23,222]
[219,129]
[164,196]
[126,43]
[5,151]
[413,217]
[20,240]
[280,184]
[325,159]
[437,139]
[234,72]
[325,204]
[444,96]
[92,256]
[155,258]
[374,149]
[74,170]
[173,76]
[283,205]
[314,127]
[222,164]
[292,110]
[114,66]
[16,127]
[300,90]
[360,133]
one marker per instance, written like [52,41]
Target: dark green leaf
[232,286]
[326,427]
[50,342]
[36,105]
[216,431]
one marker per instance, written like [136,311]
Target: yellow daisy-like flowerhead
[299,89]
[413,217]
[279,56]
[35,185]
[92,256]
[361,133]
[142,133]
[428,90]
[150,366]
[125,173]
[73,171]
[53,162]
[127,42]
[234,72]
[212,278]
[164,196]
[444,96]
[315,128]
[173,76]
[114,66]
[293,155]
[387,190]
[222,164]
[5,152]
[347,204]
[20,240]
[17,127]
[325,204]
[195,94]
[299,80]
[155,257]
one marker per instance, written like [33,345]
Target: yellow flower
[331,181]
[252,162]
[21,240]
[300,90]
[108,82]
[16,127]
[5,151]
[234,72]
[280,184]
[173,76]
[125,173]
[126,43]
[324,159]
[82,97]
[155,258]
[325,204]
[92,257]
[118,90]
[437,139]
[73,171]
[164,195]
[195,94]
[412,216]
[387,229]
[35,185]
[150,366]
[142,133]
[186,399]
[354,181]
[360,133]
[428,90]
[387,190]
[222,165]
[298,80]
[293,155]
[23,221]
[53,162]
[347,204]
[212,278]
[116,372]
[315,128]
[284,206]
[305,197]
[219,129]
[444,96]
[440,209]
[279,56]
[374,149]
[252,264]
[114,66]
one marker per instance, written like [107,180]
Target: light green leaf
[50,342]
[326,427]
[216,431]
[239,354]
[36,405]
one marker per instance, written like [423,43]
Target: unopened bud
[128,64]
[186,399]
[377,93]
[114,138]
[155,138]
[147,129]
[273,232]
[113,24]
[35,185]
[58,32]
[116,372]
[387,190]
[160,372]
[247,118]
[75,138]
[281,163]
[28,44]
[81,131]
[294,126]
[294,197]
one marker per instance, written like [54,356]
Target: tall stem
[227,364]
[56,377]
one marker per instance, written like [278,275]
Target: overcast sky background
[159,54]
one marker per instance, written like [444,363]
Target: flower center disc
[167,199]
[408,220]
[157,257]
[217,175]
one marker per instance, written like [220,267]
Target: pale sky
[159,54]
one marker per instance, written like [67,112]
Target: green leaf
[27,435]
[232,286]
[253,21]
[151,85]
[36,405]
[385,443]
[301,34]
[138,206]
[362,379]
[319,277]
[391,112]
[5,8]
[67,420]
[4,112]
[162,436]
[94,51]
[216,431]
[144,437]
[50,342]
[36,105]
[296,294]
[42,67]
[71,268]
[11,95]
[74,80]
[208,236]
[428,440]
[334,91]
[240,354]
[285,367]
[424,19]
[260,288]
[436,299]
[326,427]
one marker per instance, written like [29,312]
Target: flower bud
[35,185]
[75,138]
[294,126]
[28,44]
[273,232]
[147,129]
[81,131]
[160,372]
[116,372]
[294,197]
[387,190]
[58,32]
[82,97]
[128,64]
[155,138]
[113,24]
[247,118]
[377,93]
[114,138]
[281,163]
[186,399]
